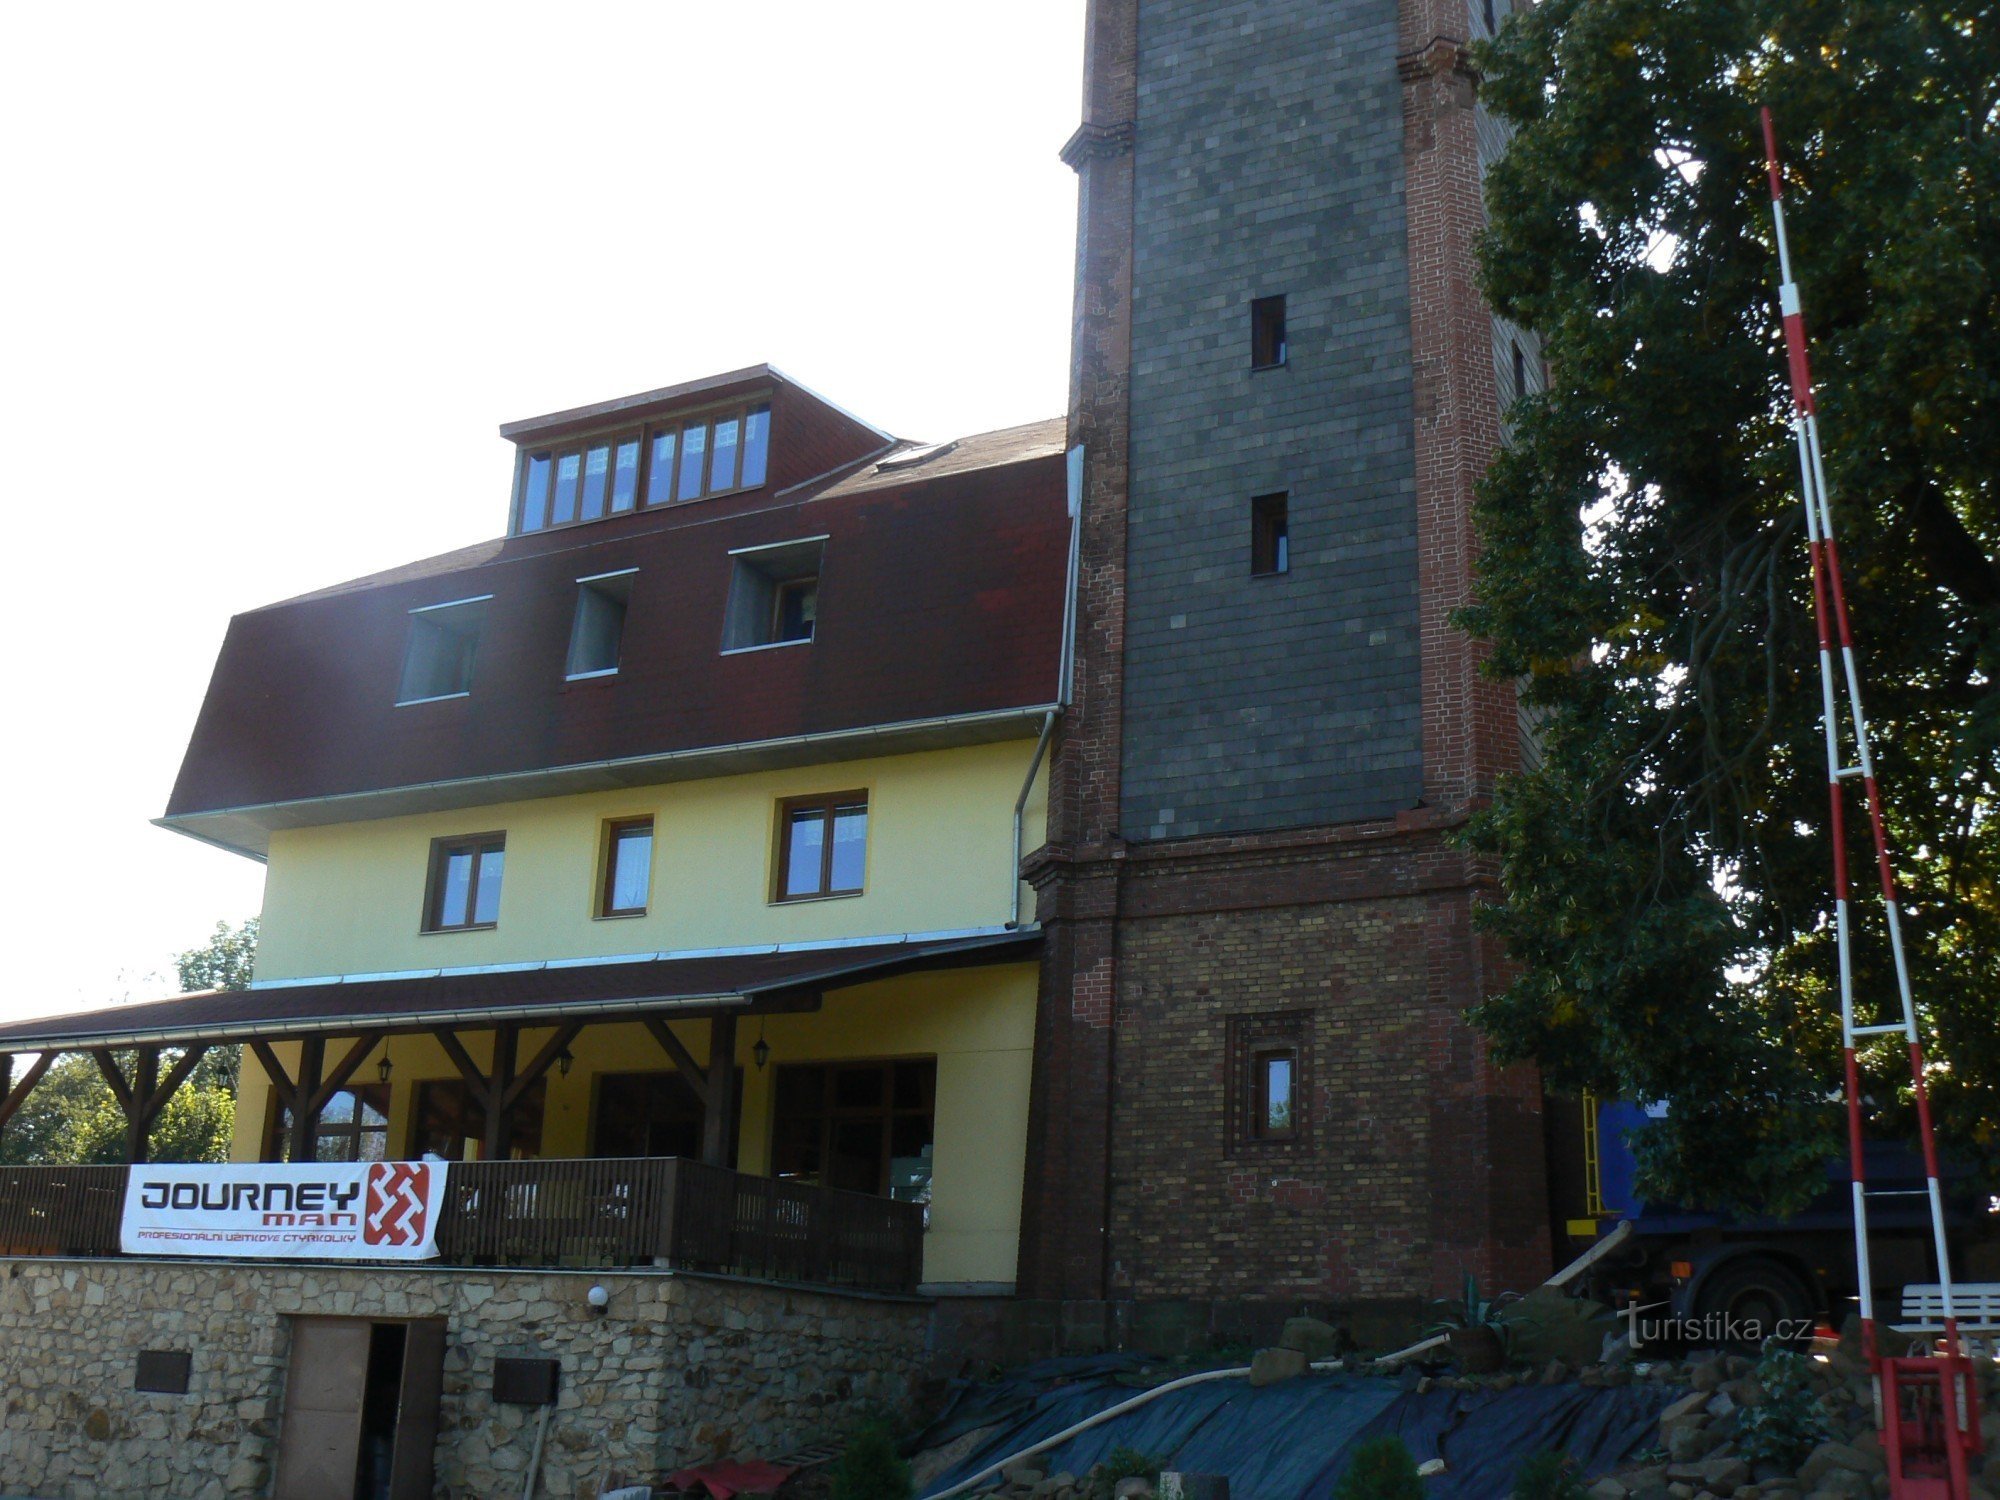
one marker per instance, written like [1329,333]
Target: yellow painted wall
[348,898]
[978,1023]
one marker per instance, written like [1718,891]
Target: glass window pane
[694,453]
[850,846]
[491,865]
[625,477]
[569,469]
[722,467]
[805,837]
[596,480]
[375,1145]
[859,1088]
[756,446]
[795,610]
[631,868]
[660,478]
[535,493]
[339,1110]
[457,882]
[1278,1094]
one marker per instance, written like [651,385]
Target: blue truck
[1704,1272]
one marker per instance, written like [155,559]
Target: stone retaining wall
[678,1370]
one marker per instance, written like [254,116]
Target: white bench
[1977,1304]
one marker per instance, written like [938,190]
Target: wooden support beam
[114,1076]
[475,1079]
[343,1070]
[498,1091]
[18,1094]
[679,1055]
[542,1061]
[176,1076]
[305,1109]
[719,1108]
[281,1081]
[138,1123]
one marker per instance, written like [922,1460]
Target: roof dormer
[730,434]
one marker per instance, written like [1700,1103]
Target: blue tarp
[1292,1441]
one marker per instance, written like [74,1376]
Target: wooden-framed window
[822,846]
[354,1126]
[464,887]
[1269,1081]
[863,1126]
[1270,535]
[626,884]
[664,463]
[1268,346]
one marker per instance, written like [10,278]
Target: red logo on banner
[398,1199]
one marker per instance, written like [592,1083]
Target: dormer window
[437,656]
[671,461]
[773,595]
[598,630]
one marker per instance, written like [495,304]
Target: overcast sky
[275,274]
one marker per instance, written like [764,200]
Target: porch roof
[540,994]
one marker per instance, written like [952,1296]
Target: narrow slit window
[464,886]
[1520,371]
[822,846]
[1270,535]
[1274,1077]
[598,629]
[628,868]
[1268,349]
[438,655]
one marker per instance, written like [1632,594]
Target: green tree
[1665,867]
[72,1117]
[1381,1469]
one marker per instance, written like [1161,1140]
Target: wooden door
[319,1443]
[417,1411]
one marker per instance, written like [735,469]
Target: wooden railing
[60,1210]
[660,1211]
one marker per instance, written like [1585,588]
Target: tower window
[437,657]
[1269,1082]
[1267,333]
[599,627]
[1520,371]
[773,595]
[1270,535]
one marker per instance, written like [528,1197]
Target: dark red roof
[941,597]
[574,991]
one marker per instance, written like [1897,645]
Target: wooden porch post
[139,1117]
[499,1094]
[719,1108]
[306,1103]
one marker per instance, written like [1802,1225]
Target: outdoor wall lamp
[563,1061]
[599,1299]
[382,1068]
[761,1053]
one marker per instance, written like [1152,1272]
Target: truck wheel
[1744,1302]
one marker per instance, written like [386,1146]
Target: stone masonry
[679,1370]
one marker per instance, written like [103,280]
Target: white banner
[321,1211]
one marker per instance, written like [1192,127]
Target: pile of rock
[1698,1458]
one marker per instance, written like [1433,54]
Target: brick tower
[1254,1083]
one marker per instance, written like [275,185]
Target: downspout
[1020,806]
[1065,673]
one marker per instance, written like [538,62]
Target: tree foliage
[71,1117]
[1665,867]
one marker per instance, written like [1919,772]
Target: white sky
[274,275]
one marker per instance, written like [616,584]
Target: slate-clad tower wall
[1255,791]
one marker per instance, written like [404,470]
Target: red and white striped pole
[1830,612]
